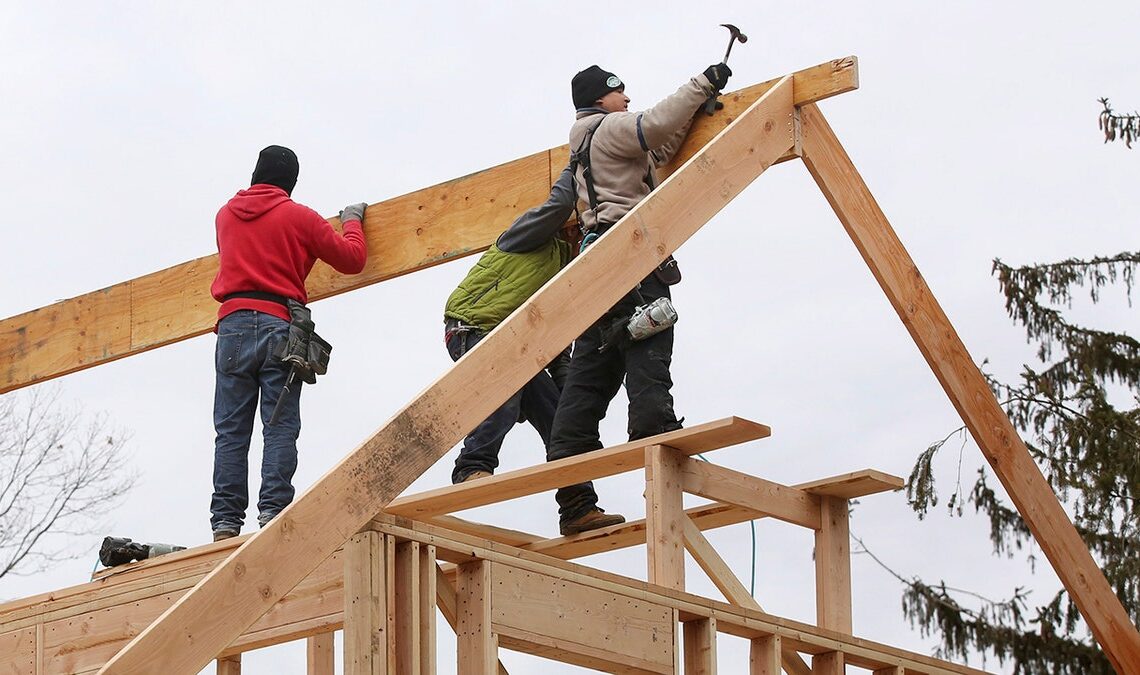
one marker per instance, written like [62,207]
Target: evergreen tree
[1077,413]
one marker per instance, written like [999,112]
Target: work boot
[591,520]
[220,535]
[476,475]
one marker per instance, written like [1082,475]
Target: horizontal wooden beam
[733,487]
[405,234]
[588,466]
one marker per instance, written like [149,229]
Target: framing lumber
[247,584]
[792,505]
[739,621]
[700,647]
[588,466]
[726,582]
[477,643]
[404,234]
[967,390]
[833,566]
[764,655]
[320,656]
[369,603]
[664,511]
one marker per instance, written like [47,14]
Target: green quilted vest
[500,282]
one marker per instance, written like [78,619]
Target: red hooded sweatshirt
[268,242]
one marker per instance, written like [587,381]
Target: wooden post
[406,590]
[368,597]
[664,510]
[427,573]
[967,390]
[345,498]
[829,663]
[478,646]
[319,654]
[700,647]
[889,670]
[764,656]
[229,665]
[833,566]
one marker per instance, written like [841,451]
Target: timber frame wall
[329,560]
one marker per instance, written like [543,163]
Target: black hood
[276,165]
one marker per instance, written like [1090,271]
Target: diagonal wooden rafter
[266,566]
[404,234]
[944,351]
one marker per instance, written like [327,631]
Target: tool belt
[453,327]
[304,350]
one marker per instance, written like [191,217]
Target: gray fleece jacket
[628,147]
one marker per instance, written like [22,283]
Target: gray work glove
[718,75]
[353,212]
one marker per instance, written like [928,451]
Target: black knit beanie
[591,84]
[276,165]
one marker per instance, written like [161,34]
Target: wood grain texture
[664,511]
[404,234]
[792,505]
[967,390]
[589,466]
[733,590]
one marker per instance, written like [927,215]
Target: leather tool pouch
[668,272]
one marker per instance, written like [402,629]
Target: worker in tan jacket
[617,153]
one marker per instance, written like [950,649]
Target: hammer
[734,35]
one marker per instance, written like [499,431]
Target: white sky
[126,125]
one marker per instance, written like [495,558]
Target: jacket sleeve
[347,252]
[537,226]
[659,129]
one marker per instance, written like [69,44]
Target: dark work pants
[593,381]
[535,402]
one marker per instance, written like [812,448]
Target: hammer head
[736,34]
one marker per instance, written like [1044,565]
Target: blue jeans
[535,403]
[247,369]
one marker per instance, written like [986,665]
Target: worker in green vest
[522,259]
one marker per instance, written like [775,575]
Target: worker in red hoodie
[267,244]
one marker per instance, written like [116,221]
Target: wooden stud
[477,645]
[320,654]
[700,647]
[764,655]
[414,231]
[968,391]
[427,583]
[406,590]
[229,665]
[726,582]
[367,596]
[889,670]
[281,554]
[828,663]
[833,567]
[663,513]
[448,605]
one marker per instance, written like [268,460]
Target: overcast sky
[126,125]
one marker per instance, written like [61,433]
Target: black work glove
[353,212]
[718,74]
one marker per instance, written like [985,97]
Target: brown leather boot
[222,535]
[476,475]
[591,520]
